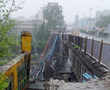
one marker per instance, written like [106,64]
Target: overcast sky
[70,7]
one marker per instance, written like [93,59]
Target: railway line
[65,57]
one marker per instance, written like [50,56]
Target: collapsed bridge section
[69,61]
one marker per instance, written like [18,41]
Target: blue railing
[39,74]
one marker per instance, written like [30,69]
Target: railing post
[80,43]
[74,39]
[85,45]
[26,47]
[100,51]
[92,47]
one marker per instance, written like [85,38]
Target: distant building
[87,23]
[23,24]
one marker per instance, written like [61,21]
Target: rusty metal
[100,51]
[81,42]
[92,47]
[85,45]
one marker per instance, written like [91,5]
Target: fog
[70,8]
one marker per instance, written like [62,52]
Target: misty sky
[70,7]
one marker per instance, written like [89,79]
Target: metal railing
[97,49]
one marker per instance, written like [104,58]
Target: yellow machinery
[26,42]
[15,74]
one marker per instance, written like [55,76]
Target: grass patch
[2,62]
[76,47]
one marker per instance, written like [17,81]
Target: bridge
[66,56]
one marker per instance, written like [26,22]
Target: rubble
[94,84]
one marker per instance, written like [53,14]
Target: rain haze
[54,44]
[70,7]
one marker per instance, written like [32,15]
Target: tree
[6,41]
[52,14]
[40,37]
[7,7]
[6,24]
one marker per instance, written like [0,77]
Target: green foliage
[4,82]
[6,8]
[7,40]
[83,31]
[76,47]
[2,62]
[41,38]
